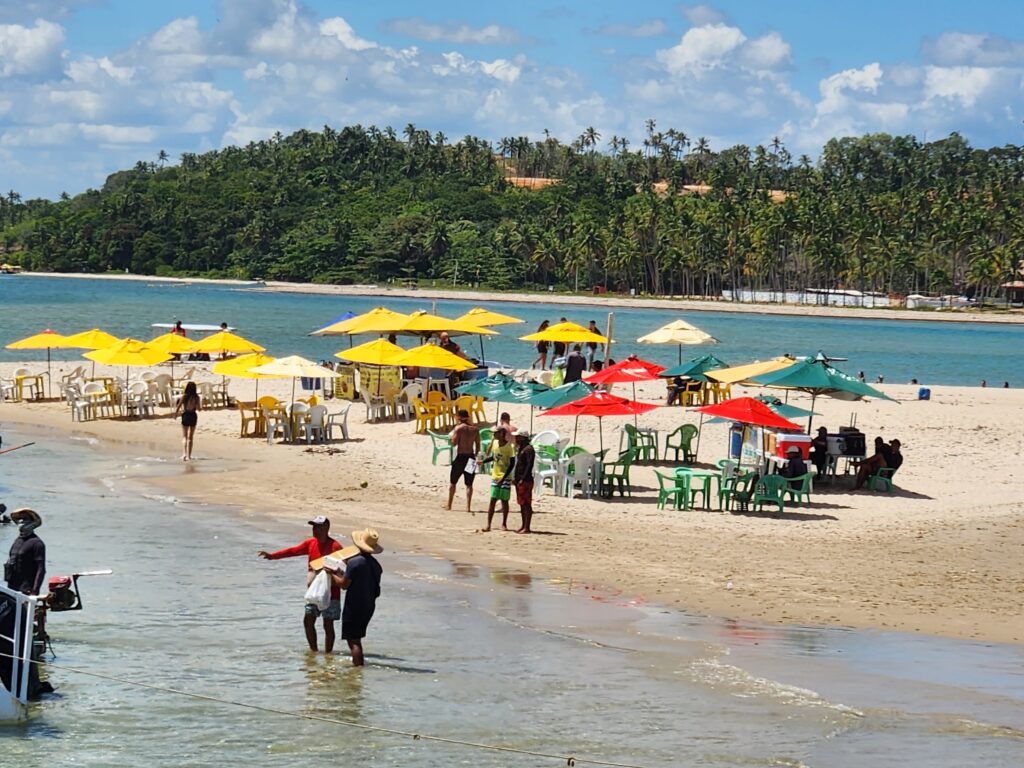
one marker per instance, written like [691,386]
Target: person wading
[361,582]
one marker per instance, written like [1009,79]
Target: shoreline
[943,563]
[668,304]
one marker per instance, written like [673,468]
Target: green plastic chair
[882,477]
[616,473]
[668,488]
[441,444]
[680,440]
[695,486]
[769,490]
[486,436]
[737,490]
[642,443]
[802,492]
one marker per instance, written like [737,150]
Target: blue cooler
[735,441]
[924,394]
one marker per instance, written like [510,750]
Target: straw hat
[26,513]
[367,541]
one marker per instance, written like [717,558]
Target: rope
[569,760]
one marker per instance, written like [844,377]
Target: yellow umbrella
[432,356]
[485,317]
[294,367]
[224,341]
[172,344]
[92,339]
[678,332]
[740,373]
[128,352]
[566,332]
[377,320]
[421,323]
[45,340]
[242,368]
[376,352]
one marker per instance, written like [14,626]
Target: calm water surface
[499,657]
[933,353]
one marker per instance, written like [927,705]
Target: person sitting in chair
[819,450]
[795,466]
[869,466]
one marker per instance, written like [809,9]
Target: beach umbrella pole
[575,429]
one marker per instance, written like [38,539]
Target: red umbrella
[600,404]
[749,410]
[631,370]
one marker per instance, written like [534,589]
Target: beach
[940,556]
[603,301]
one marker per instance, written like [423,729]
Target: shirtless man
[466,439]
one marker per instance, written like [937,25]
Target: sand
[942,555]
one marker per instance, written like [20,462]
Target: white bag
[319,592]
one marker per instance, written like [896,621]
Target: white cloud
[960,48]
[30,51]
[965,85]
[452,32]
[95,72]
[767,52]
[180,36]
[652,28]
[342,30]
[702,48]
[118,134]
[703,15]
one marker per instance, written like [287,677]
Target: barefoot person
[188,406]
[466,439]
[522,476]
[315,547]
[361,582]
[502,456]
[542,350]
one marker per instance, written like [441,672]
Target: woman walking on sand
[542,350]
[188,405]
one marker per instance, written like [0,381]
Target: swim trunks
[333,612]
[501,491]
[459,468]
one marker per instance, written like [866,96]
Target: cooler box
[735,441]
[784,441]
[846,444]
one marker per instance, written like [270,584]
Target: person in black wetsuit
[25,568]
[361,582]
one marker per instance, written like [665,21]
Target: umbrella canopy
[567,393]
[488,388]
[432,356]
[129,353]
[678,332]
[566,332]
[630,370]
[749,410]
[224,342]
[91,339]
[785,410]
[242,367]
[364,323]
[600,404]
[422,323]
[376,352]
[749,371]
[172,344]
[483,318]
[695,368]
[294,367]
[45,340]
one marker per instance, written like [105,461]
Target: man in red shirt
[315,547]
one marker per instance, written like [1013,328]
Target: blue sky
[91,86]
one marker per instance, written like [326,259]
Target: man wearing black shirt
[361,582]
[575,365]
[26,564]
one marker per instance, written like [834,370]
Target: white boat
[199,327]
[17,618]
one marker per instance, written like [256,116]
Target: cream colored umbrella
[242,368]
[678,332]
[295,367]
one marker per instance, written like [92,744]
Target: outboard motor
[64,594]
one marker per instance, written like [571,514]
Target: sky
[88,87]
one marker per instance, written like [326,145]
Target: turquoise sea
[494,657]
[931,352]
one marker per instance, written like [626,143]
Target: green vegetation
[875,213]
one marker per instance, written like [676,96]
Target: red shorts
[524,494]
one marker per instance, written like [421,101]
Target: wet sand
[940,556]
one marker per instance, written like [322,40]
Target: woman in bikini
[542,350]
[188,405]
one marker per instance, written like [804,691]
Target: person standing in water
[188,406]
[361,582]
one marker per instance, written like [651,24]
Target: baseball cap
[319,520]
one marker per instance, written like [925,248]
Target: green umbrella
[815,376]
[487,387]
[785,410]
[695,368]
[567,393]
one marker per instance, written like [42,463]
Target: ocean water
[933,353]
[527,661]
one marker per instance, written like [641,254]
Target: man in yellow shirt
[502,455]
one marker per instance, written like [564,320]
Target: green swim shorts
[501,491]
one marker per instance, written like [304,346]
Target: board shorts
[524,493]
[501,491]
[354,624]
[459,468]
[333,612]
[189,418]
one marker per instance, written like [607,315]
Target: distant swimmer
[315,547]
[178,329]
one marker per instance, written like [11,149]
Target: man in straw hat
[25,568]
[314,548]
[361,582]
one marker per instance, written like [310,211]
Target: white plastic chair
[8,390]
[277,420]
[376,407]
[163,383]
[546,469]
[136,399]
[98,398]
[547,437]
[337,420]
[313,424]
[581,468]
[81,409]
[403,400]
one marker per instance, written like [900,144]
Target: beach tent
[678,332]
[45,340]
[485,318]
[815,376]
[600,404]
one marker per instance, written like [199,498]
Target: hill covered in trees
[876,213]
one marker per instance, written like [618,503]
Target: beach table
[687,477]
[31,381]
